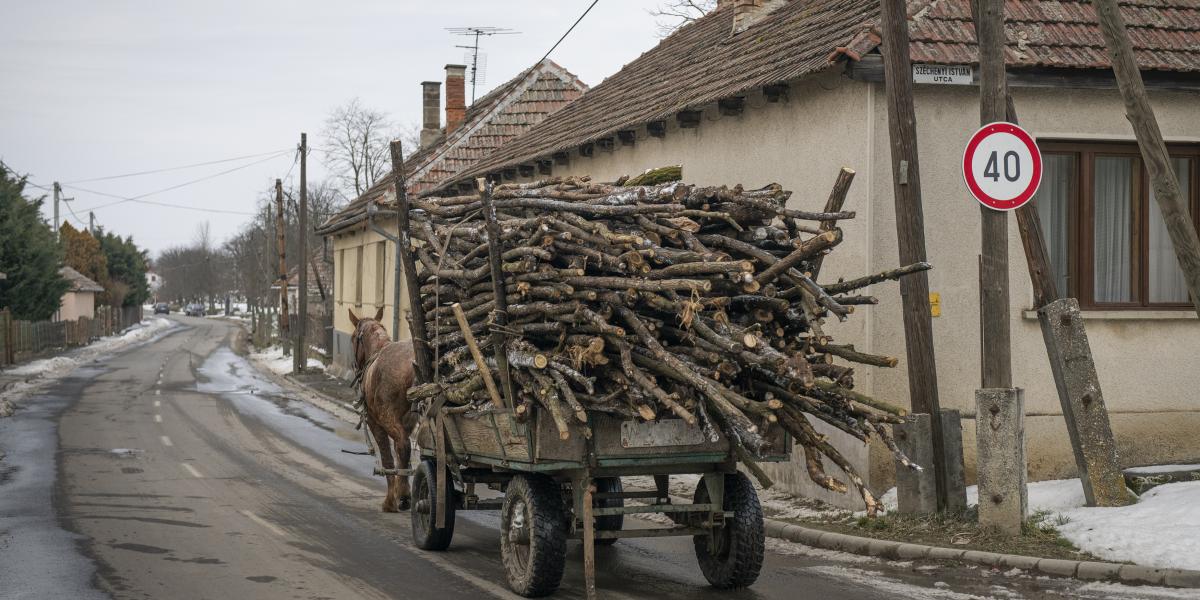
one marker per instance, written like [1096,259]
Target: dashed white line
[192,470]
[157,392]
[157,404]
[267,524]
[158,418]
[166,441]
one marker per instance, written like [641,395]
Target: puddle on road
[230,376]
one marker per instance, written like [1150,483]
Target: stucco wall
[77,304]
[376,291]
[1147,367]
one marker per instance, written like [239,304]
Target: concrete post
[1083,404]
[916,491]
[1000,433]
[952,457]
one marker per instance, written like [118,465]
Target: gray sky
[91,89]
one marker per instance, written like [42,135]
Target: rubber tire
[426,536]
[740,555]
[546,519]
[609,522]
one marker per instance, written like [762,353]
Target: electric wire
[564,36]
[179,168]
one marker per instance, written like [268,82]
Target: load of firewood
[650,302]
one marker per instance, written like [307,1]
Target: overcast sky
[92,89]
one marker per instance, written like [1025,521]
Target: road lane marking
[192,470]
[157,404]
[157,392]
[158,418]
[166,441]
[265,523]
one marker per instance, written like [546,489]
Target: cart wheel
[424,515]
[533,535]
[737,553]
[609,485]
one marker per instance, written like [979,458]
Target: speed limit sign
[1002,166]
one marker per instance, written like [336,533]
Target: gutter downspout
[372,210]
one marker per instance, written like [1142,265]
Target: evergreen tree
[29,257]
[126,270]
[82,252]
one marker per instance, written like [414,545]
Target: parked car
[162,308]
[194,309]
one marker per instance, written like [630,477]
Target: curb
[829,540]
[1078,569]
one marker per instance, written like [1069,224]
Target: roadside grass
[1040,535]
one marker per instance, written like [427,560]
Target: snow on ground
[1161,530]
[34,372]
[274,360]
[1157,469]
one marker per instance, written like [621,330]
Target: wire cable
[564,36]
[179,168]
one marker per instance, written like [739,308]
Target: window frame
[1081,220]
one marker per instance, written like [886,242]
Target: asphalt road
[174,470]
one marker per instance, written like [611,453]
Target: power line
[139,198]
[564,36]
[166,169]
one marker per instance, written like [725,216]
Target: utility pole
[300,357]
[57,197]
[92,223]
[910,234]
[280,238]
[1171,201]
[1000,411]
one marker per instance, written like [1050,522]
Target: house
[154,282]
[79,301]
[320,275]
[762,91]
[364,260]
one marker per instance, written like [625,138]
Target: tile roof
[702,62]
[490,122]
[79,282]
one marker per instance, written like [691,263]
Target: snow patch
[273,360]
[1157,469]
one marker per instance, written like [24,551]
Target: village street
[180,472]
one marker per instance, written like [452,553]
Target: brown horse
[385,383]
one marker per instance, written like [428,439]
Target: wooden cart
[556,490]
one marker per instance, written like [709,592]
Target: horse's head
[369,335]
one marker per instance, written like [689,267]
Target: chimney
[431,105]
[456,96]
[749,12]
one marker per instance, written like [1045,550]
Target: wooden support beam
[1172,202]
[628,137]
[404,252]
[910,227]
[656,128]
[688,119]
[732,107]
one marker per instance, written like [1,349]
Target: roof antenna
[476,33]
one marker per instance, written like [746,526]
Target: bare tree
[673,14]
[356,139]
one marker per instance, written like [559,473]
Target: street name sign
[943,74]
[1002,166]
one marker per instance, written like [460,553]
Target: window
[1106,238]
[341,275]
[358,279]
[380,273]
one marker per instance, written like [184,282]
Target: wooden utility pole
[910,231]
[404,251]
[1171,201]
[300,357]
[280,239]
[57,198]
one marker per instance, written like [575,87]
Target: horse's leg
[383,446]
[399,437]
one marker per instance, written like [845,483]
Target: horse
[386,371]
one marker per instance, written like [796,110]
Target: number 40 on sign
[1002,166]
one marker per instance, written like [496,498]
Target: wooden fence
[20,340]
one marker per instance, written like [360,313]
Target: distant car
[162,308]
[194,310]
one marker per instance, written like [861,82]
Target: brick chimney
[456,96]
[749,12]
[431,111]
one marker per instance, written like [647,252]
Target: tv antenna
[476,33]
